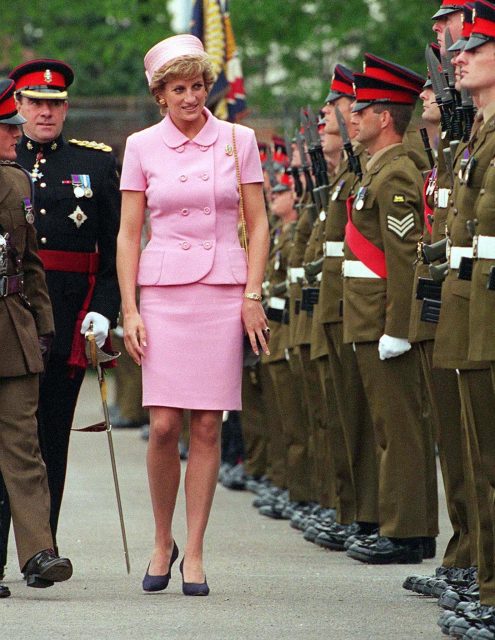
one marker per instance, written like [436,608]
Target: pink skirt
[194,355]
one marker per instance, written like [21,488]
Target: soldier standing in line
[442,387]
[26,323]
[287,394]
[354,447]
[77,197]
[471,213]
[383,229]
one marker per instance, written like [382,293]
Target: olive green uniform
[354,449]
[22,320]
[452,346]
[441,386]
[388,212]
[287,390]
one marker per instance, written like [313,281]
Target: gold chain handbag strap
[244,240]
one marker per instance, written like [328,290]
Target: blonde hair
[185,68]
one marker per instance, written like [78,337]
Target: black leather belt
[11,284]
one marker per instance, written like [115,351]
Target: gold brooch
[228,149]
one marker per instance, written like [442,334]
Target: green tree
[289,49]
[104,40]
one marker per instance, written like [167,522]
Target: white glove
[101,326]
[389,347]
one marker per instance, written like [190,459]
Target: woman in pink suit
[198,294]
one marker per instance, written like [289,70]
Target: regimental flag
[211,24]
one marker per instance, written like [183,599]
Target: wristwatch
[253,296]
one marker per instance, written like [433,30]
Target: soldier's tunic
[354,448]
[388,212]
[78,227]
[21,322]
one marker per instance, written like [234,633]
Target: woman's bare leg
[200,483]
[163,476]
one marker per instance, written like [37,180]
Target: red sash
[361,247]
[77,262]
[428,211]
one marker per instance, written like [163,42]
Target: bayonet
[456,99]
[438,83]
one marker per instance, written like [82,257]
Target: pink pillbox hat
[170,48]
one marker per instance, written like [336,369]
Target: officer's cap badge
[48,76]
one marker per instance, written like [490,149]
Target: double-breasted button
[185,245]
[205,176]
[207,211]
[183,178]
[185,212]
[207,244]
[43,185]
[43,240]
[43,212]
[180,149]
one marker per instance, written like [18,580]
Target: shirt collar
[174,138]
[45,148]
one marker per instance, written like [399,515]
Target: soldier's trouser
[478,405]
[315,402]
[445,406]
[335,471]
[22,467]
[357,425]
[405,456]
[254,421]
[276,449]
[288,398]
[128,385]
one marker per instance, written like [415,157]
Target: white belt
[457,253]
[296,274]
[333,249]
[485,247]
[276,303]
[357,269]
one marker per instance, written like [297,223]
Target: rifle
[316,204]
[270,169]
[352,159]
[448,68]
[293,171]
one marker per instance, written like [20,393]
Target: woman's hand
[255,325]
[134,336]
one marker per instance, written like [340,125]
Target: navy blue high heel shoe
[193,588]
[158,583]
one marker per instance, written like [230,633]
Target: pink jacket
[191,192]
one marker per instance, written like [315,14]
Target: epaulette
[99,146]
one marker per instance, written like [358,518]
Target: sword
[96,357]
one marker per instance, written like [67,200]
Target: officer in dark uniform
[78,203]
[26,327]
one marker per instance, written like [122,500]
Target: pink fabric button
[205,176]
[207,244]
[179,149]
[207,211]
[183,178]
[185,212]
[203,148]
[185,245]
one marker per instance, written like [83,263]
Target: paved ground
[266,581]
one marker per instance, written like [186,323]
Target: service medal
[28,210]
